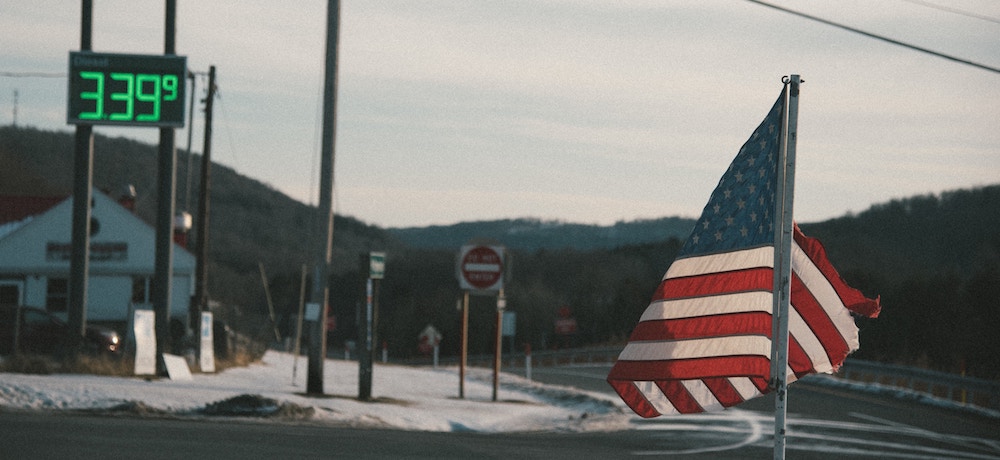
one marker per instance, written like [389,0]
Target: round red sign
[482,268]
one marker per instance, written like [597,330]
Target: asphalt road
[823,424]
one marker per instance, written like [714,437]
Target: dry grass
[119,366]
[28,364]
[83,364]
[235,360]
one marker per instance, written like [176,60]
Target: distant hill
[955,232]
[535,234]
[934,259]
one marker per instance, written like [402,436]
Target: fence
[966,390]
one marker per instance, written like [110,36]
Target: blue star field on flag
[739,213]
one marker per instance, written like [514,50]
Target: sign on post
[206,358]
[480,268]
[144,331]
[428,339]
[376,265]
[509,323]
[126,89]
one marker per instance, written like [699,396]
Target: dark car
[35,331]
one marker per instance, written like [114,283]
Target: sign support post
[498,343]
[165,181]
[83,172]
[365,354]
[465,345]
[376,271]
[480,270]
[125,90]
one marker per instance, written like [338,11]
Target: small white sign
[509,323]
[430,335]
[206,358]
[177,367]
[144,330]
[376,265]
[312,311]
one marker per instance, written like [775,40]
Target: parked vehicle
[35,331]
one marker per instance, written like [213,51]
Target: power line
[32,74]
[229,132]
[879,37]
[954,10]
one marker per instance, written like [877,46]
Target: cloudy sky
[585,111]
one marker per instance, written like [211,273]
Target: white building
[35,256]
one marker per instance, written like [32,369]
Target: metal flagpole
[783,259]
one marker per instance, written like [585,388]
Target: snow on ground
[404,397]
[410,398]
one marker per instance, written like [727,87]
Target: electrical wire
[226,125]
[954,10]
[32,74]
[879,37]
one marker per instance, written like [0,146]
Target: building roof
[34,241]
[16,211]
[16,208]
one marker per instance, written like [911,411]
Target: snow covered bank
[404,397]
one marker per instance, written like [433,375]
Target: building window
[10,293]
[140,289]
[57,295]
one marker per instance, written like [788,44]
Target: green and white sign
[376,265]
[126,89]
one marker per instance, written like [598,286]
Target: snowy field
[409,398]
[403,397]
[426,399]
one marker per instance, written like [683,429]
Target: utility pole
[324,221]
[200,301]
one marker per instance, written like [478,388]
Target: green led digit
[126,96]
[96,96]
[170,87]
[151,81]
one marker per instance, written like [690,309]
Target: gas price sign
[126,89]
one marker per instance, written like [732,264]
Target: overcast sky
[578,110]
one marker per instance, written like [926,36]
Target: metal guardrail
[538,358]
[965,390]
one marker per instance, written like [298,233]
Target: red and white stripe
[704,342]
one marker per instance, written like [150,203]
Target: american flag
[704,341]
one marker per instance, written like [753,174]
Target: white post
[436,349]
[782,260]
[527,362]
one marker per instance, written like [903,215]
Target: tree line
[933,259]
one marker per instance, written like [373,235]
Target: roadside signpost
[144,333]
[481,268]
[376,271]
[126,90]
[480,271]
[429,341]
[206,358]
